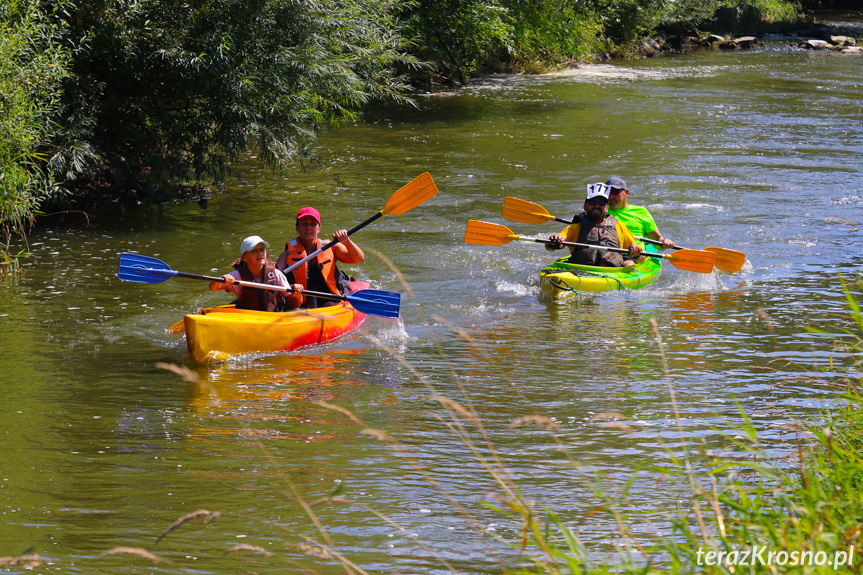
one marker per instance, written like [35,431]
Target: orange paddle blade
[526,212]
[730,261]
[488,234]
[411,195]
[692,260]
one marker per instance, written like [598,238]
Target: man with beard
[594,226]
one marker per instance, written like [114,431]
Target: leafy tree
[465,37]
[31,67]
[169,89]
[550,32]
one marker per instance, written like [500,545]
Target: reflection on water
[754,151]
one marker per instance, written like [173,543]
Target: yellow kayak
[214,334]
[561,277]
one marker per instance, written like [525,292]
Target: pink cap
[310,212]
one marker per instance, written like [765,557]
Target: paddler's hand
[340,235]
[297,288]
[667,244]
[217,285]
[634,252]
[556,244]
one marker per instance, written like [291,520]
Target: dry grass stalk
[717,510]
[380,435]
[334,499]
[457,407]
[617,425]
[314,548]
[187,374]
[765,317]
[189,517]
[190,376]
[607,415]
[654,327]
[25,561]
[247,547]
[314,551]
[461,333]
[310,513]
[696,509]
[538,420]
[389,263]
[346,412]
[136,551]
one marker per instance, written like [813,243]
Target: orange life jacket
[325,262]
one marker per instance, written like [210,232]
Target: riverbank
[813,33]
[137,124]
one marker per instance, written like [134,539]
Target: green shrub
[32,66]
[167,90]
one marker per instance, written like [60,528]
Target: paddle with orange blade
[730,261]
[488,234]
[517,210]
[405,199]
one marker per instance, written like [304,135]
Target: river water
[757,151]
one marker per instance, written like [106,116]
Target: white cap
[250,242]
[598,190]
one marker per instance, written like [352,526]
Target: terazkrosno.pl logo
[755,555]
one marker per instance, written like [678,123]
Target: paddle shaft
[570,222]
[658,243]
[592,247]
[331,243]
[253,285]
[530,213]
[645,240]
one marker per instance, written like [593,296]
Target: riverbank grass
[743,510]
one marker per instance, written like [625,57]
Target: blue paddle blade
[143,269]
[376,302]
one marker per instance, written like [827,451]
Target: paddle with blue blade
[404,199]
[488,234]
[517,210]
[149,270]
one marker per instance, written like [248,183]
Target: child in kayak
[320,273]
[253,266]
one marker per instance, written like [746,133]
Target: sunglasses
[597,202]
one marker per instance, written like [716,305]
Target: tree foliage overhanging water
[127,97]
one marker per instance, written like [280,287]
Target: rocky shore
[809,36]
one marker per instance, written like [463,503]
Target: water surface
[757,151]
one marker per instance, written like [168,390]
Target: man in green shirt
[637,219]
